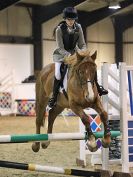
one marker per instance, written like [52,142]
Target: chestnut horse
[82,93]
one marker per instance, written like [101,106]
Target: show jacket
[68,41]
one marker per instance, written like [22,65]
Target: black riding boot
[100,88]
[52,101]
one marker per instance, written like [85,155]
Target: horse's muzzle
[89,98]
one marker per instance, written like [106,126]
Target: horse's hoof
[92,144]
[45,144]
[92,149]
[105,144]
[35,147]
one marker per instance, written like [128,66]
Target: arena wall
[18,58]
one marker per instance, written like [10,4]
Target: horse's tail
[41,101]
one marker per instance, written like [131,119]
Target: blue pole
[130,92]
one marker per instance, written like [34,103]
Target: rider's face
[70,22]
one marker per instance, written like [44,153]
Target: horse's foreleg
[92,145]
[104,118]
[107,135]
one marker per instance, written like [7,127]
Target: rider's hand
[71,59]
[83,52]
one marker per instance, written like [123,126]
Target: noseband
[86,82]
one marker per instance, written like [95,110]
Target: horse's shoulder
[47,69]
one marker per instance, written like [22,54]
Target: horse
[82,93]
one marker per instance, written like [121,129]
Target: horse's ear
[94,55]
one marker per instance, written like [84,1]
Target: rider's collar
[71,29]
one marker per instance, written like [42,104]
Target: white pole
[104,78]
[124,116]
[82,153]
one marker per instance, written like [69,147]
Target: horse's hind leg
[40,118]
[53,113]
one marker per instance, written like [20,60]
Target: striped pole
[48,169]
[130,87]
[51,137]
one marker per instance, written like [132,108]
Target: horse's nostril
[86,96]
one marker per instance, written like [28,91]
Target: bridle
[83,82]
[86,82]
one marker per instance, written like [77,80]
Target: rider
[69,38]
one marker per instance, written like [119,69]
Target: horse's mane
[81,60]
[84,60]
[80,57]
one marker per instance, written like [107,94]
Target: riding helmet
[70,12]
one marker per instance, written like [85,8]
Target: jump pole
[48,169]
[51,137]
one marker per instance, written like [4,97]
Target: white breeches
[57,70]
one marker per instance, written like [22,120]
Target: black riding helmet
[70,12]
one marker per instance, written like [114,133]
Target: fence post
[124,116]
[104,78]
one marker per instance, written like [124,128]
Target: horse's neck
[72,73]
